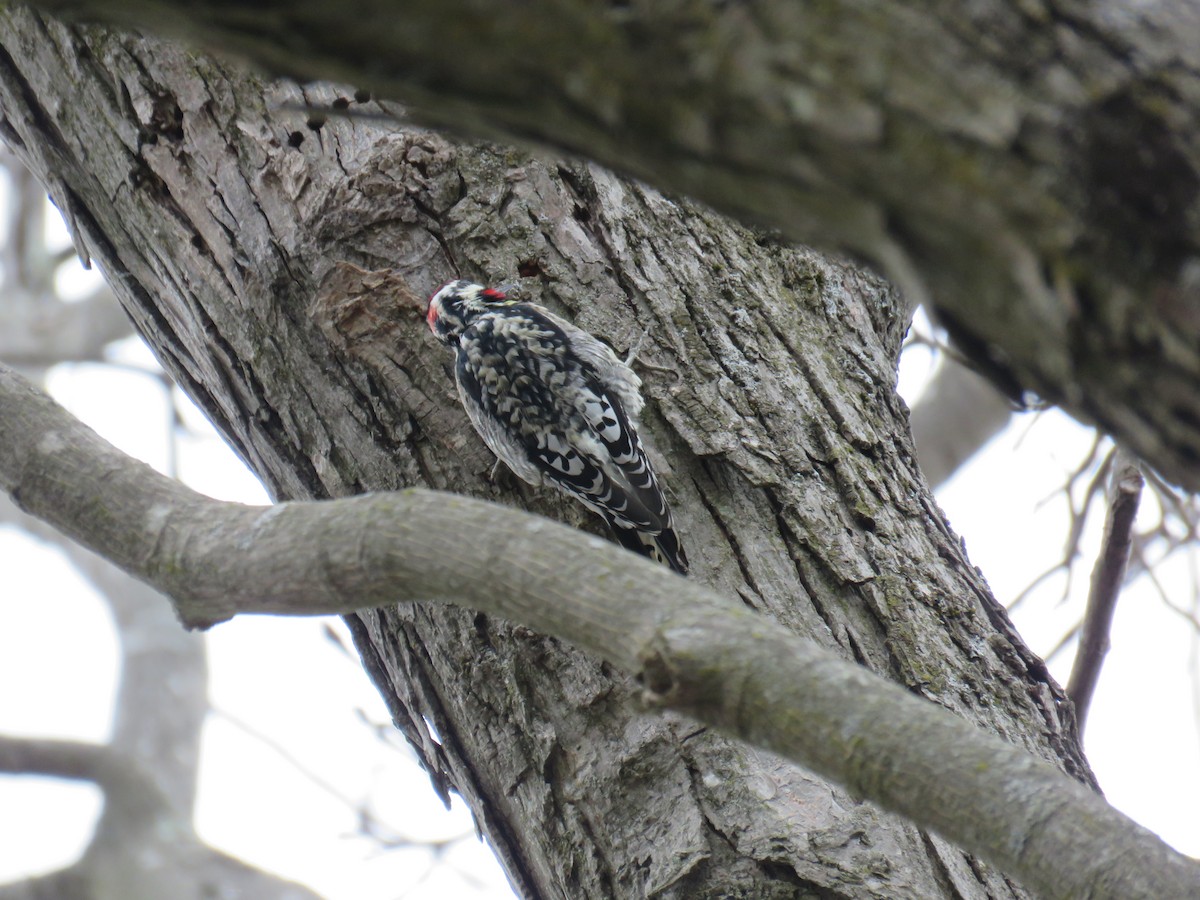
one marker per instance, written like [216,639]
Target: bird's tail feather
[663,547]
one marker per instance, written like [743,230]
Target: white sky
[1142,735]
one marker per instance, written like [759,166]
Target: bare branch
[41,331]
[37,328]
[1078,520]
[185,265]
[1188,615]
[771,688]
[75,760]
[1107,579]
[957,414]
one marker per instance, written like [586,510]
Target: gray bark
[693,651]
[1031,170]
[144,844]
[217,217]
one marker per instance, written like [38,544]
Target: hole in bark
[361,96]
[341,103]
[481,629]
[581,213]
[769,237]
[166,118]
[530,268]
[295,139]
[197,242]
[315,121]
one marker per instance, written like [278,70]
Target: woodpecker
[558,407]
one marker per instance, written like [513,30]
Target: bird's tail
[663,547]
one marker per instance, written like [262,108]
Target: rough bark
[1032,170]
[693,651]
[144,844]
[216,217]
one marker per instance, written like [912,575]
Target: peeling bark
[1030,170]
[725,665]
[769,372]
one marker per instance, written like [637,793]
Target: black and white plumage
[558,407]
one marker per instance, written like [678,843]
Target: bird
[558,407]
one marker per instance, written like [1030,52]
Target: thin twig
[1064,642]
[1188,616]
[1033,585]
[1078,520]
[1107,578]
[1079,515]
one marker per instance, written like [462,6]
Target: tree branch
[74,760]
[957,414]
[1107,579]
[39,331]
[694,650]
[169,860]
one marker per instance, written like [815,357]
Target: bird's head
[456,304]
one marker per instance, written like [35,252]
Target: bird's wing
[549,416]
[605,414]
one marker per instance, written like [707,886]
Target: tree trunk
[1032,170]
[218,215]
